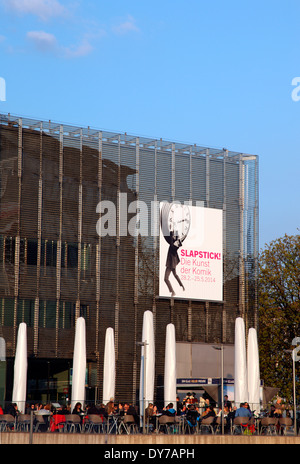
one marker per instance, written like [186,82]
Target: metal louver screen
[55,267]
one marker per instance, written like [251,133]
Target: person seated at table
[150,415]
[110,407]
[64,410]
[231,414]
[227,418]
[116,410]
[192,417]
[102,410]
[44,410]
[31,407]
[131,410]
[169,410]
[92,409]
[12,409]
[121,409]
[271,413]
[149,410]
[209,412]
[243,411]
[125,407]
[78,409]
[225,415]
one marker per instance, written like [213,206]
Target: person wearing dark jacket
[209,412]
[169,411]
[78,409]
[12,409]
[192,418]
[132,412]
[172,261]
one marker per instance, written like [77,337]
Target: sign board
[191,252]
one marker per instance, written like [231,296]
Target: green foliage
[279,311]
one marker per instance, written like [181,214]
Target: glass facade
[55,267]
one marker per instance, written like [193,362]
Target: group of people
[188,410]
[48,410]
[191,410]
[194,412]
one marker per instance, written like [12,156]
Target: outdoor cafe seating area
[52,420]
[194,416]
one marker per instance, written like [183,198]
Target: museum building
[56,267]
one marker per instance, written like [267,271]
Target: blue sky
[214,73]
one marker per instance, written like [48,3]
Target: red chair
[57,422]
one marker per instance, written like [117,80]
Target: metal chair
[180,425]
[94,423]
[268,426]
[166,424]
[286,424]
[39,422]
[218,424]
[128,424]
[7,422]
[239,424]
[23,423]
[73,423]
[206,424]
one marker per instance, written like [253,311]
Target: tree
[279,311]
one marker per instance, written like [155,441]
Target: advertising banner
[190,252]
